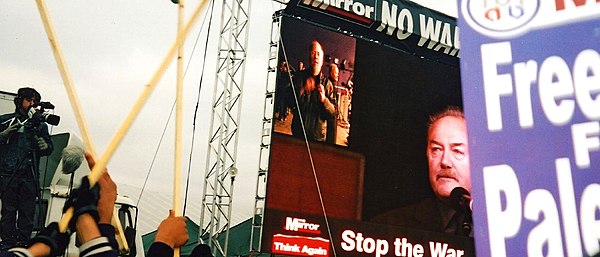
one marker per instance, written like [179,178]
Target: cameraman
[23,141]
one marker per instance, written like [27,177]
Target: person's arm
[48,242]
[20,252]
[36,250]
[87,229]
[39,249]
[85,200]
[106,202]
[171,233]
[328,107]
[93,243]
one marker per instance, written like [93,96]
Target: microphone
[461,201]
[72,157]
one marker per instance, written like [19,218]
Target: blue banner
[530,75]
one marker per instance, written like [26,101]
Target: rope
[187,183]
[312,164]
[154,157]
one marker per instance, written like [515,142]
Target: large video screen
[327,191]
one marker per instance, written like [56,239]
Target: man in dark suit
[449,168]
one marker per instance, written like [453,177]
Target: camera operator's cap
[27,92]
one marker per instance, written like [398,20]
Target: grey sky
[112,49]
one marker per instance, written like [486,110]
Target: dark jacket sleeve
[159,249]
[108,231]
[4,123]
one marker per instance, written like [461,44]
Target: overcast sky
[112,48]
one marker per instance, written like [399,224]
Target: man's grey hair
[453,111]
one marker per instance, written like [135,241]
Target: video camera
[37,113]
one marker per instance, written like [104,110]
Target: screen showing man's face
[448,156]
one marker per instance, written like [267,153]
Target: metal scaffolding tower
[225,117]
[267,128]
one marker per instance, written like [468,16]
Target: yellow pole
[178,123]
[118,137]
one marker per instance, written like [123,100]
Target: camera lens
[51,119]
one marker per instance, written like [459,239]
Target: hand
[84,200]
[50,236]
[107,198]
[322,96]
[108,193]
[309,85]
[172,231]
[6,133]
[42,145]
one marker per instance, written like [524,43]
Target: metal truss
[225,118]
[267,128]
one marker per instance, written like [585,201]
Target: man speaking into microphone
[449,169]
[23,140]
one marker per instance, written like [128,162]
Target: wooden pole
[76,106]
[118,137]
[66,77]
[178,122]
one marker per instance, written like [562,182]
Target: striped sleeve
[98,247]
[19,252]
